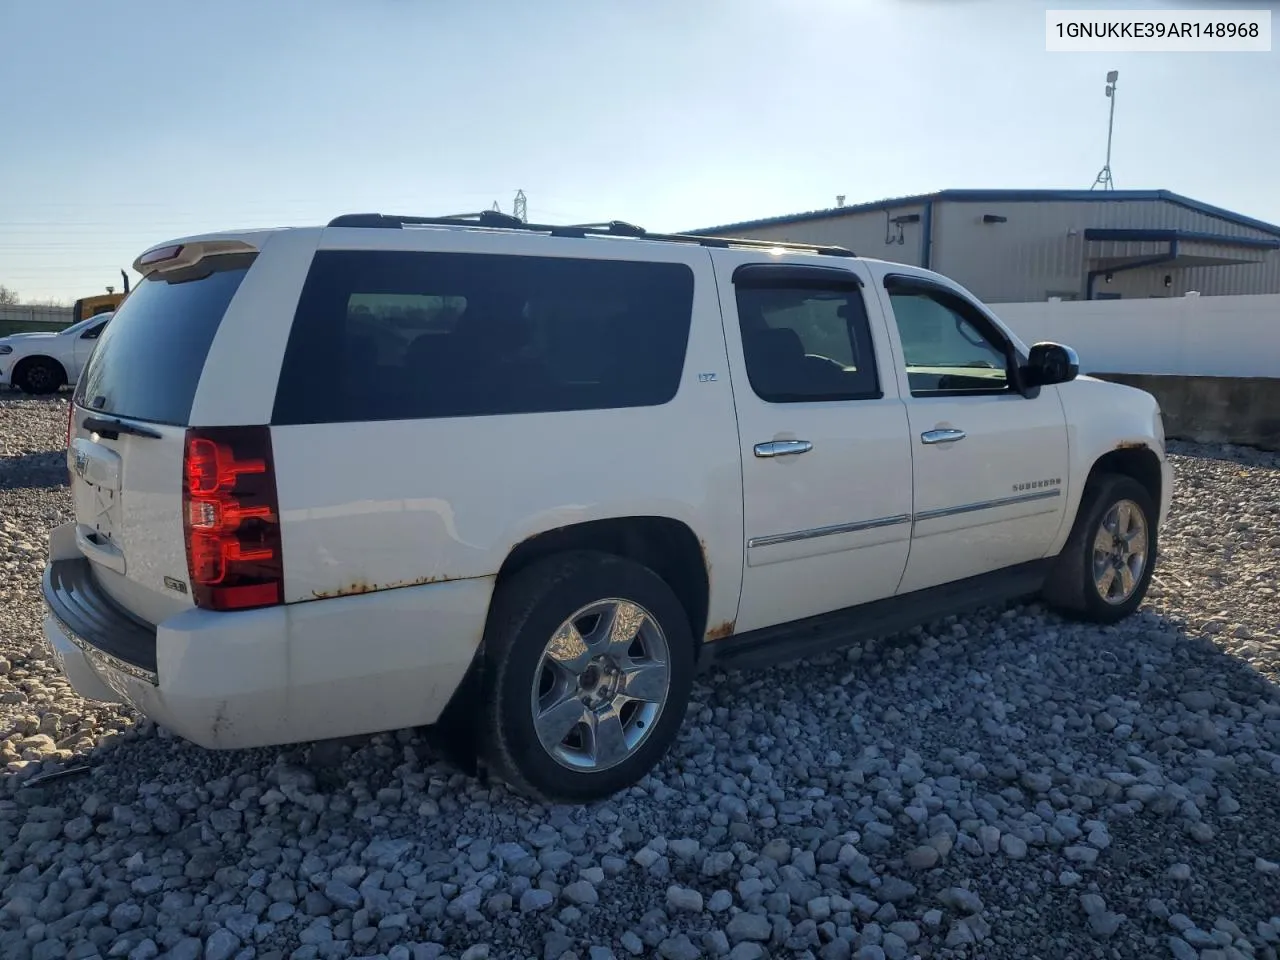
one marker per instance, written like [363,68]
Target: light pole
[1103,179]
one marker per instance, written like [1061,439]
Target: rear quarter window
[405,335]
[147,362]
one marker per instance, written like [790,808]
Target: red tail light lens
[231,518]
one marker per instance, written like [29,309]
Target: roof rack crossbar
[494,219]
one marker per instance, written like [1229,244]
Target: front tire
[590,663]
[1103,572]
[39,375]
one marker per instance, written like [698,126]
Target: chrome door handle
[782,448]
[941,436]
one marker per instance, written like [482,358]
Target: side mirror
[1050,363]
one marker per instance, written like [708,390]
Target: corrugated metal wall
[1040,250]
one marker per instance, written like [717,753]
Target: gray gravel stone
[748,926]
[221,945]
[582,893]
[804,794]
[684,899]
[961,900]
[922,858]
[1104,924]
[342,895]
[895,890]
[720,901]
[536,899]
[1015,848]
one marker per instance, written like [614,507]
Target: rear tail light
[71,418]
[231,518]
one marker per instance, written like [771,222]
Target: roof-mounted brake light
[179,256]
[160,255]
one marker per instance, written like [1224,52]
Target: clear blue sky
[135,121]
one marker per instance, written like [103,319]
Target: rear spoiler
[177,256]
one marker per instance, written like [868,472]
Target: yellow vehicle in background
[108,302]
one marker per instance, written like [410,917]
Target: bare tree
[7,296]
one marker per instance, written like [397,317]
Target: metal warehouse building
[1025,245]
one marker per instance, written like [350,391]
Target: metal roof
[1195,236]
[1000,196]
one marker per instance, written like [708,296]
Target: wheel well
[667,547]
[1140,463]
[27,361]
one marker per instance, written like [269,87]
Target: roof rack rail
[618,228]
[483,218]
[495,219]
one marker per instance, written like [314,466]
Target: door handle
[782,448]
[942,436]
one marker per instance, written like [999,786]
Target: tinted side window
[946,345]
[803,342]
[148,360]
[402,335]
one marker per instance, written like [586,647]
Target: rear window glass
[404,335]
[148,361]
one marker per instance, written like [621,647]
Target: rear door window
[806,343]
[148,360]
[396,335]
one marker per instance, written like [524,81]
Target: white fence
[1178,336]
[35,314]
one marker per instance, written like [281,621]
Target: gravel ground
[1000,785]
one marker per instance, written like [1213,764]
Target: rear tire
[1105,568]
[39,375]
[590,660]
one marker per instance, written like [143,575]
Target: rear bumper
[309,671]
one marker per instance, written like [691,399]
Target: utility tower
[1103,179]
[520,209]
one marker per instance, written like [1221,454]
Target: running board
[813,636]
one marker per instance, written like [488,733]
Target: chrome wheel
[1120,552]
[601,684]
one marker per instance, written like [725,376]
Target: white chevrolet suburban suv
[520,482]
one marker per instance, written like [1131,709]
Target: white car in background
[43,362]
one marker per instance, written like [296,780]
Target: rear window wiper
[112,428]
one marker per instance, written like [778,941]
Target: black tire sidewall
[1110,491]
[516,656]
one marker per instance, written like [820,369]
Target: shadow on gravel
[31,470]
[1201,723]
